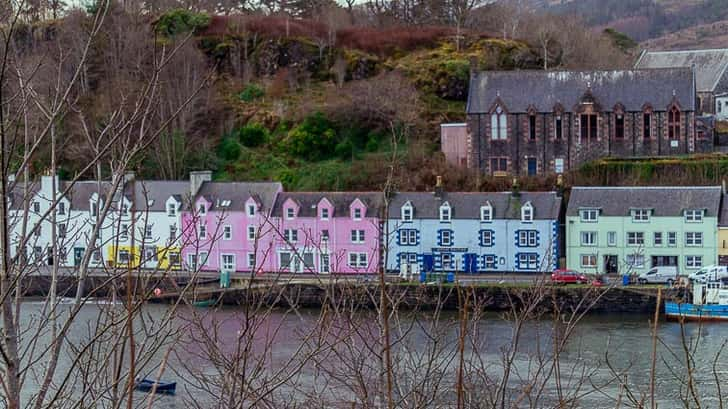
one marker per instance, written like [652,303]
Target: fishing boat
[148,385]
[205,303]
[709,302]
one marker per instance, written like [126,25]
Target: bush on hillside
[229,149]
[180,21]
[253,135]
[313,139]
[251,92]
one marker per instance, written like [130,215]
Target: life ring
[157,291]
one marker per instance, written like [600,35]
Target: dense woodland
[316,94]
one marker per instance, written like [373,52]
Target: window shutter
[492,238]
[518,261]
[439,237]
[417,237]
[538,238]
[518,232]
[399,237]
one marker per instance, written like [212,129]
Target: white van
[659,274]
[710,273]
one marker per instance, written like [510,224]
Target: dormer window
[171,210]
[125,210]
[589,215]
[94,209]
[290,213]
[250,209]
[61,208]
[486,213]
[527,213]
[641,215]
[150,202]
[202,209]
[407,213]
[693,216]
[357,213]
[445,213]
[36,207]
[225,203]
[324,213]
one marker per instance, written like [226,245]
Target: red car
[568,277]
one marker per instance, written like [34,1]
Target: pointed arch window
[498,124]
[673,123]
[619,126]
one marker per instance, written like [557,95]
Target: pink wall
[216,244]
[339,246]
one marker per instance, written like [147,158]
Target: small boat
[709,303]
[204,303]
[147,385]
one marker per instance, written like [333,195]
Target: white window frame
[227,265]
[202,209]
[693,261]
[449,241]
[227,232]
[252,232]
[357,213]
[658,235]
[589,238]
[407,213]
[693,216]
[639,238]
[291,235]
[357,236]
[486,213]
[445,213]
[148,231]
[530,260]
[449,263]
[641,215]
[486,237]
[635,260]
[325,213]
[250,209]
[499,124]
[591,260]
[171,210]
[290,213]
[325,267]
[527,238]
[251,260]
[671,239]
[325,236]
[589,215]
[124,232]
[611,238]
[172,232]
[357,260]
[527,213]
[693,239]
[202,231]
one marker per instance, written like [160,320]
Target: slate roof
[81,192]
[723,218]
[466,205]
[239,193]
[341,201]
[665,201]
[156,191]
[518,90]
[710,64]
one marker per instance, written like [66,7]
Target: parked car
[709,273]
[659,274]
[566,276]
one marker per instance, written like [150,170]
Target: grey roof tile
[466,205]
[239,193]
[518,90]
[152,195]
[710,64]
[340,200]
[667,201]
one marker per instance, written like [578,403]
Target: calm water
[622,341]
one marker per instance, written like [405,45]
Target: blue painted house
[473,232]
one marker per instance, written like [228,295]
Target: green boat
[205,303]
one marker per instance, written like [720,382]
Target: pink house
[326,232]
[229,226]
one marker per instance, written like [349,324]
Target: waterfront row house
[632,229]
[473,232]
[566,118]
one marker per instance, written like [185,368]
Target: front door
[470,263]
[77,255]
[428,262]
[532,166]
[611,265]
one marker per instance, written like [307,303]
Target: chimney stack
[438,188]
[129,176]
[516,190]
[197,178]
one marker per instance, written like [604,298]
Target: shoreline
[487,296]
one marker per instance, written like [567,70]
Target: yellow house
[723,231]
[155,257]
